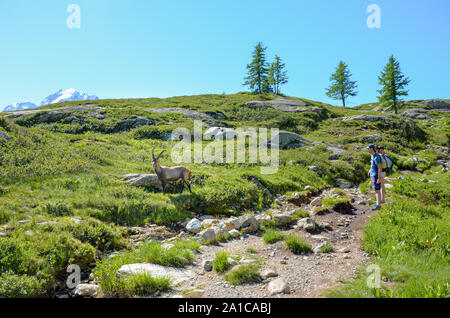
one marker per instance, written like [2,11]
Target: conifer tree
[256,77]
[341,86]
[393,83]
[277,76]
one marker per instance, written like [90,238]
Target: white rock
[234,233]
[278,286]
[209,222]
[194,226]
[388,186]
[282,219]
[207,235]
[307,224]
[177,275]
[269,273]
[86,290]
[75,220]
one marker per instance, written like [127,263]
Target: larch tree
[393,83]
[256,77]
[277,75]
[341,86]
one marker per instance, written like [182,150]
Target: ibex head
[156,160]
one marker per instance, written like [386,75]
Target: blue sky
[137,48]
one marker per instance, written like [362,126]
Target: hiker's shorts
[375,185]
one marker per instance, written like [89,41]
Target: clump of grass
[299,214]
[141,285]
[272,236]
[327,248]
[251,250]
[296,244]
[57,208]
[220,263]
[243,274]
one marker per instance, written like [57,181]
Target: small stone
[75,220]
[194,226]
[207,235]
[207,266]
[209,222]
[3,235]
[86,290]
[278,286]
[269,273]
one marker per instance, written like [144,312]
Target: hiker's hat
[371,146]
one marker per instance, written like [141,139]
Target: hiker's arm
[380,171]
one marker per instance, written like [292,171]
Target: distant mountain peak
[19,106]
[70,94]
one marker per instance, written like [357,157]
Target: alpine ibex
[170,173]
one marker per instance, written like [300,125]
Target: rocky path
[304,275]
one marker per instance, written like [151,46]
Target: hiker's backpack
[388,161]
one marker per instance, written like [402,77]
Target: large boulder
[287,140]
[177,275]
[216,132]
[143,180]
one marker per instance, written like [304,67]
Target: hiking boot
[375,207]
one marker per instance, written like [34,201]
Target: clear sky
[146,48]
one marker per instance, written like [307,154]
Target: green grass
[251,250]
[327,248]
[141,285]
[243,274]
[296,244]
[220,264]
[272,236]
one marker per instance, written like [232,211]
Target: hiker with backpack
[375,174]
[380,151]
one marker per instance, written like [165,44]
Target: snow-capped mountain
[19,106]
[70,94]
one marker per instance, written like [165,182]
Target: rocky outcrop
[282,104]
[288,140]
[143,180]
[434,103]
[131,123]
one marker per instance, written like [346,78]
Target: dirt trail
[307,275]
